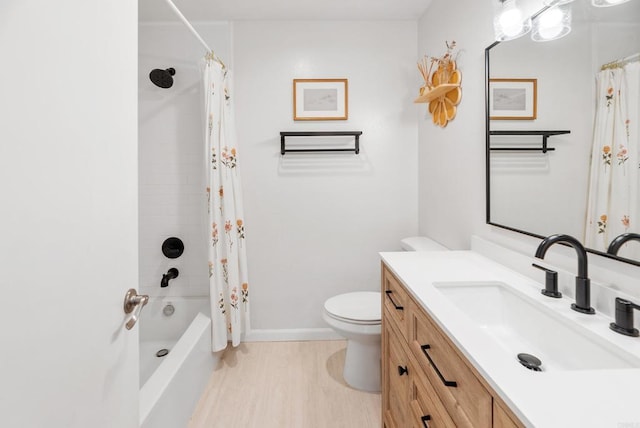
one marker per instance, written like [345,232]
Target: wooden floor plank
[284,385]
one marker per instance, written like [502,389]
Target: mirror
[542,192]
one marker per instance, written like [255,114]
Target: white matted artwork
[320,99]
[513,99]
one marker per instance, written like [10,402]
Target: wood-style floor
[284,385]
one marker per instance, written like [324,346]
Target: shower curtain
[613,185]
[228,282]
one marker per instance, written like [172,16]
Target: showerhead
[162,78]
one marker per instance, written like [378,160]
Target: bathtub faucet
[173,273]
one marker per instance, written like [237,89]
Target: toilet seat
[363,308]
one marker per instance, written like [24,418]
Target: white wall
[171,151]
[316,222]
[451,172]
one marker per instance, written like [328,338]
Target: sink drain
[530,362]
[161,353]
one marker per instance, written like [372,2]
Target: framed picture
[513,99]
[320,99]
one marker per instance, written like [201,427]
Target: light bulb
[552,24]
[556,2]
[607,3]
[511,22]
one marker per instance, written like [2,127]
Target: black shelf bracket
[545,135]
[355,134]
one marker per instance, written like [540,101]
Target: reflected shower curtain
[613,185]
[228,283]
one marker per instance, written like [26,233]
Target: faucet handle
[550,282]
[624,318]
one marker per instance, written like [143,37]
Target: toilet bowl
[357,317]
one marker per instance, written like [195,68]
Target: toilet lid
[358,306]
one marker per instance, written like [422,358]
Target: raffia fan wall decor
[441,89]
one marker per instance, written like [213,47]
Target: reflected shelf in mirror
[545,136]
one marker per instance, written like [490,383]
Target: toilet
[357,317]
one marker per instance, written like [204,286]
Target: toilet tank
[421,243]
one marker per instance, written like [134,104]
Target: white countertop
[567,398]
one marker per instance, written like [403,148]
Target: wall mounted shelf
[544,134]
[355,134]
[436,92]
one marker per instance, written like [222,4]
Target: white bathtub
[171,386]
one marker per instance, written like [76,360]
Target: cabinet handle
[402,370]
[424,420]
[389,293]
[451,383]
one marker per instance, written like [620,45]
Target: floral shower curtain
[228,282]
[613,188]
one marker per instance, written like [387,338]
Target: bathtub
[170,386]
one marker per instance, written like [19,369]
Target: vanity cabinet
[426,381]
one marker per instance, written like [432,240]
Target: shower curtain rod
[621,62]
[186,22]
[188,25]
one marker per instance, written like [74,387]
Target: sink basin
[519,324]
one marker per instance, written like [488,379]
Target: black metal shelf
[545,135]
[355,134]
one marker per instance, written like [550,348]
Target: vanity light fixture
[510,21]
[552,24]
[607,3]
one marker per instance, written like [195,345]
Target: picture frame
[513,99]
[320,99]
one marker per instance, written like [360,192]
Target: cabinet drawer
[426,409]
[465,398]
[396,300]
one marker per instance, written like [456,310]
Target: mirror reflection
[587,85]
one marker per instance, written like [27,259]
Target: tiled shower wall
[171,149]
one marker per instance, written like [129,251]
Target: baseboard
[291,335]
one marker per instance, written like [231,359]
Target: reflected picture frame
[320,99]
[513,99]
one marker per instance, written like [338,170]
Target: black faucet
[619,240]
[550,282]
[173,273]
[624,318]
[583,284]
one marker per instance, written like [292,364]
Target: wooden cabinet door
[395,378]
[501,419]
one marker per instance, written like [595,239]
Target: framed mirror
[551,160]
